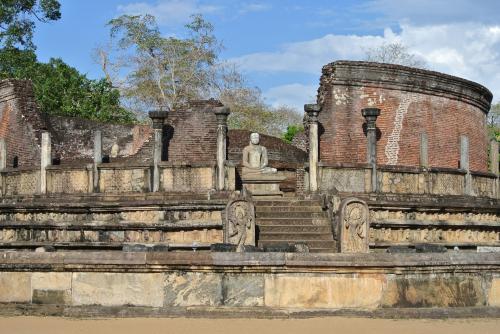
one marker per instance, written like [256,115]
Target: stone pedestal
[262,185]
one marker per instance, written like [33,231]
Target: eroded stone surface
[15,287]
[51,281]
[111,289]
[243,290]
[434,291]
[494,295]
[193,289]
[311,291]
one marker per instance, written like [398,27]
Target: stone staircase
[291,221]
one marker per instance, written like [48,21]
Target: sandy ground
[337,325]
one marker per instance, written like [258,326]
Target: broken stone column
[464,163]
[370,115]
[45,161]
[221,113]
[312,111]
[158,117]
[3,154]
[424,150]
[494,157]
[3,161]
[97,159]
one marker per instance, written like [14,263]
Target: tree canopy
[18,17]
[170,71]
[59,88]
[394,53]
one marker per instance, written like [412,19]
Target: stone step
[313,244]
[287,202]
[294,229]
[288,214]
[291,236]
[322,250]
[312,208]
[293,221]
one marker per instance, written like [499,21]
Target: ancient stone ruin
[389,201]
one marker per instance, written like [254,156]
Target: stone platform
[263,185]
[103,283]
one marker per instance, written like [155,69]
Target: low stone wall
[187,178]
[69,180]
[249,281]
[20,182]
[101,223]
[410,220]
[113,178]
[401,180]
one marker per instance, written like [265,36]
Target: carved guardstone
[239,225]
[354,226]
[257,177]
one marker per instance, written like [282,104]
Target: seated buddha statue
[255,160]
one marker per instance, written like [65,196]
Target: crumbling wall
[20,122]
[412,102]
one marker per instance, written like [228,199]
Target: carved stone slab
[354,226]
[239,225]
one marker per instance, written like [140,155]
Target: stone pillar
[312,111]
[370,115]
[97,159]
[494,156]
[464,163]
[424,150]
[158,117]
[221,113]
[3,162]
[3,154]
[45,161]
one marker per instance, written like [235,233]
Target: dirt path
[332,325]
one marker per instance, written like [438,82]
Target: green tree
[61,90]
[493,122]
[291,132]
[164,70]
[17,20]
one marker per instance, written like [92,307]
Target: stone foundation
[251,281]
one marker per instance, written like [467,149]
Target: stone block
[116,289]
[51,281]
[434,291]
[15,287]
[193,289]
[311,292]
[243,290]
[58,297]
[494,295]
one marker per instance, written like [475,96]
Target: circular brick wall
[412,101]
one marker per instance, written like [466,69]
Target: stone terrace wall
[163,283]
[412,101]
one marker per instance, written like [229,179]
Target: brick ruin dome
[412,102]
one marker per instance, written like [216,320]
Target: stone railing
[408,180]
[116,178]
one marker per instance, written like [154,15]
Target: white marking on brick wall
[341,96]
[392,147]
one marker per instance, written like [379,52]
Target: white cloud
[254,7]
[168,12]
[292,95]
[468,50]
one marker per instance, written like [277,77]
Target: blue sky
[281,45]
